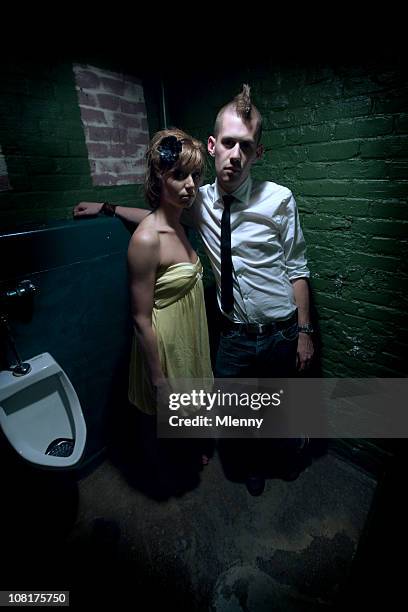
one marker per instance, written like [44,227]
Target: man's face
[234,149]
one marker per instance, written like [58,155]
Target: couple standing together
[253,239]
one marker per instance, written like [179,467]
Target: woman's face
[180,188]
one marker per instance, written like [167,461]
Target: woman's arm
[91,209]
[143,260]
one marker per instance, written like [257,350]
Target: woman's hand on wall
[87,209]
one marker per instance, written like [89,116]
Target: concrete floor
[195,540]
[215,547]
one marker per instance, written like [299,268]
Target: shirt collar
[241,193]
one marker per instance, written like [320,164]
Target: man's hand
[87,209]
[305,350]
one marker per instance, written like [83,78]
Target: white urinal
[41,416]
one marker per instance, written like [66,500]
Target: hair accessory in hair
[169,150]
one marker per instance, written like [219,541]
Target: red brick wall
[114,119]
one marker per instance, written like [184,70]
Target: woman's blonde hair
[190,158]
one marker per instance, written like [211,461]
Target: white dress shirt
[267,247]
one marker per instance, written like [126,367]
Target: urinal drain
[61,447]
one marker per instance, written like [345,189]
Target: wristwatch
[306,328]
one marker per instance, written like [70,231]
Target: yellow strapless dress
[180,323]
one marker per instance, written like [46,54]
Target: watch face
[306,329]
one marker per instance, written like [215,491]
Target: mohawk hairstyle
[243,107]
[243,102]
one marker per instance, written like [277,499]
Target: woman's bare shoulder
[146,235]
[144,249]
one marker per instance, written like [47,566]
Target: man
[253,239]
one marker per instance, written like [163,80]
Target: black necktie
[227,297]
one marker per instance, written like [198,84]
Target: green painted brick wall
[337,136]
[43,142]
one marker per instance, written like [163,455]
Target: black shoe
[255,485]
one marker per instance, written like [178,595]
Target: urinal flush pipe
[20,368]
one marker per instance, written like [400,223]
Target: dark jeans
[267,355]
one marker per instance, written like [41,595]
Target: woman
[171,336]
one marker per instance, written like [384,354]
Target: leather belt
[258,328]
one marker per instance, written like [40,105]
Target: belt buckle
[256,328]
[251,328]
